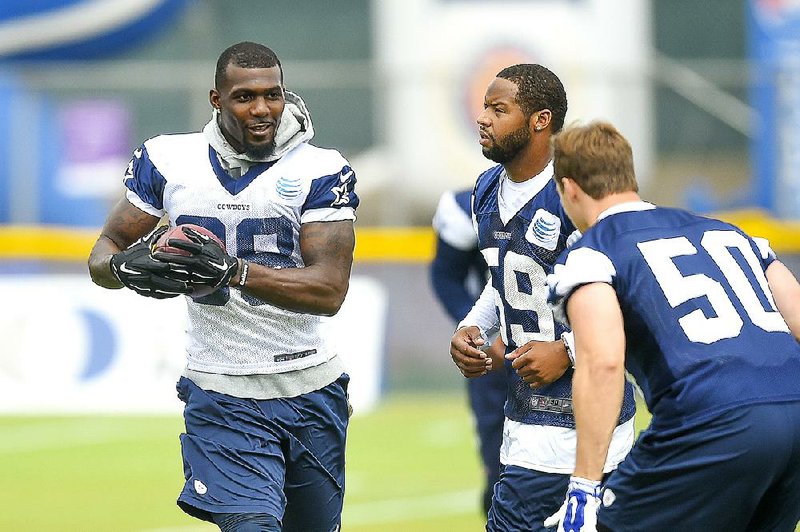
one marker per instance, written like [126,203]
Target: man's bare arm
[125,225]
[599,379]
[786,291]
[320,286]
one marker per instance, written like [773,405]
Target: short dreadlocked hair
[246,55]
[538,88]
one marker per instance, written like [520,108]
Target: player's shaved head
[538,88]
[246,55]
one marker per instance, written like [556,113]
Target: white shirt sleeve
[484,312]
[764,248]
[453,224]
[143,206]
[583,266]
[328,215]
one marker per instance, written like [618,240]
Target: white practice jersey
[258,217]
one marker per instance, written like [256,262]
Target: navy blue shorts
[283,457]
[737,471]
[524,498]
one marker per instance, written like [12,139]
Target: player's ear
[541,119]
[213,98]
[569,187]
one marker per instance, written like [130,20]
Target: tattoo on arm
[329,245]
[126,224]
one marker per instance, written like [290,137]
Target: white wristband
[569,343]
[245,271]
[591,487]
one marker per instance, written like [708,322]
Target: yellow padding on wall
[373,244]
[783,236]
[394,244]
[46,243]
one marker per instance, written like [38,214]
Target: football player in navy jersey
[522,228]
[266,398]
[707,321]
[458,274]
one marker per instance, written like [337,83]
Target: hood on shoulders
[295,128]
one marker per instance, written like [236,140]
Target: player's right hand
[579,511]
[136,269]
[466,353]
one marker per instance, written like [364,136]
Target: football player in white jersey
[522,228]
[266,399]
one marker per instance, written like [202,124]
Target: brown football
[176,233]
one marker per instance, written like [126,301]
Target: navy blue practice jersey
[703,334]
[520,254]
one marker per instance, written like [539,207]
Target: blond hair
[597,157]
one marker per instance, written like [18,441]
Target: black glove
[208,264]
[136,268]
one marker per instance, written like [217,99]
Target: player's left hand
[207,263]
[540,363]
[579,511]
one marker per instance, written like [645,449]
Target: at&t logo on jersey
[544,230]
[288,188]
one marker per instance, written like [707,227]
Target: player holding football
[458,273]
[707,320]
[522,228]
[266,400]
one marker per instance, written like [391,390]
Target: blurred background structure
[708,92]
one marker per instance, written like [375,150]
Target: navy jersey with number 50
[703,332]
[520,254]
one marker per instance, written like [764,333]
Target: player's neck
[528,163]
[612,200]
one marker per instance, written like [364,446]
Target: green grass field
[412,465]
